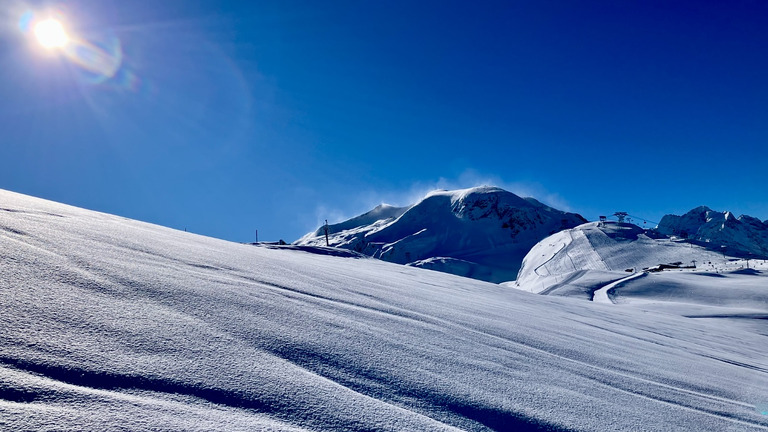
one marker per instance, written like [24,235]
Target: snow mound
[610,248]
[481,232]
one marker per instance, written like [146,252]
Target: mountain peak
[481,232]
[744,235]
[701,209]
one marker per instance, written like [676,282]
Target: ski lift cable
[644,219]
[636,217]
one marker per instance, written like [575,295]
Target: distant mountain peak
[701,209]
[481,232]
[742,235]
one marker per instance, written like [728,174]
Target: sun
[51,34]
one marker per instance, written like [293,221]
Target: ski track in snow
[603,294]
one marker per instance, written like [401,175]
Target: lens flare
[101,59]
[51,34]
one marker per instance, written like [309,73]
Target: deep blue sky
[230,116]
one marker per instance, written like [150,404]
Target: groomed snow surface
[111,324]
[576,261]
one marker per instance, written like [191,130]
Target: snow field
[129,326]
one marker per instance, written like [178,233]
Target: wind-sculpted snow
[482,232]
[111,324]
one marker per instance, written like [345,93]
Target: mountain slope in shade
[481,232]
[744,235]
[111,324]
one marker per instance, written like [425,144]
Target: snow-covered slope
[736,293]
[481,232]
[603,263]
[744,235]
[578,260]
[110,324]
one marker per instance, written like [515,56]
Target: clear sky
[223,117]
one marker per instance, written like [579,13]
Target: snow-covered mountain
[481,232]
[743,235]
[111,324]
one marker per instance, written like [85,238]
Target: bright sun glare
[51,34]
